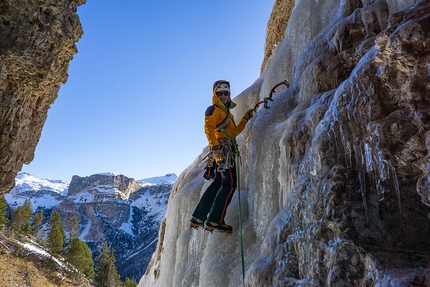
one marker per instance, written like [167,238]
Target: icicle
[384,172]
[336,148]
[363,194]
[381,193]
[369,157]
[381,14]
[359,161]
[346,148]
[396,186]
[324,208]
[364,19]
[336,42]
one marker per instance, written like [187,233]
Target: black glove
[249,114]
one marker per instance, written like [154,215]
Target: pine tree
[16,219]
[106,274]
[73,227]
[21,217]
[37,221]
[3,213]
[56,240]
[55,222]
[57,236]
[130,282]
[79,255]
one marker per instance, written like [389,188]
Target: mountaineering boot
[223,228]
[196,222]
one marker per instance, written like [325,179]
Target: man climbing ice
[221,131]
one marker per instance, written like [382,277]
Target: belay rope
[238,163]
[240,215]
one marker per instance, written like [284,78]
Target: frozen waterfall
[334,175]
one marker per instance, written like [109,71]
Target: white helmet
[223,87]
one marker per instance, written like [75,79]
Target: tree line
[102,270]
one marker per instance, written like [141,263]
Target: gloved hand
[217,153]
[249,114]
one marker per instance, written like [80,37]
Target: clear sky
[138,88]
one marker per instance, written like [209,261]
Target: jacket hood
[216,101]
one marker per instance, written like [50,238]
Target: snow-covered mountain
[42,192]
[110,207]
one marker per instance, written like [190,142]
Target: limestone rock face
[99,198]
[276,26]
[94,184]
[37,42]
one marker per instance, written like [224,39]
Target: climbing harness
[268,99]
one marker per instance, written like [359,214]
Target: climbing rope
[240,215]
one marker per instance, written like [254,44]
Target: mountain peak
[104,185]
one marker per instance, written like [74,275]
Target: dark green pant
[217,197]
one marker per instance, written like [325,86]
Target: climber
[221,131]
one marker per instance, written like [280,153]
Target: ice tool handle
[268,99]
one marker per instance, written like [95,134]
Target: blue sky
[138,88]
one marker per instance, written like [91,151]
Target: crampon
[196,223]
[221,228]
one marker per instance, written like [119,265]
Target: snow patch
[169,178]
[27,182]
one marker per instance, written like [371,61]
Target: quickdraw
[268,99]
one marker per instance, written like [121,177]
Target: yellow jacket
[214,115]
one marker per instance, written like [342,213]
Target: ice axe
[268,99]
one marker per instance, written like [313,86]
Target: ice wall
[334,180]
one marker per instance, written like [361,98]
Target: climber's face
[223,96]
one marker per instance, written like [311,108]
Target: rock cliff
[275,30]
[335,174]
[37,42]
[94,184]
